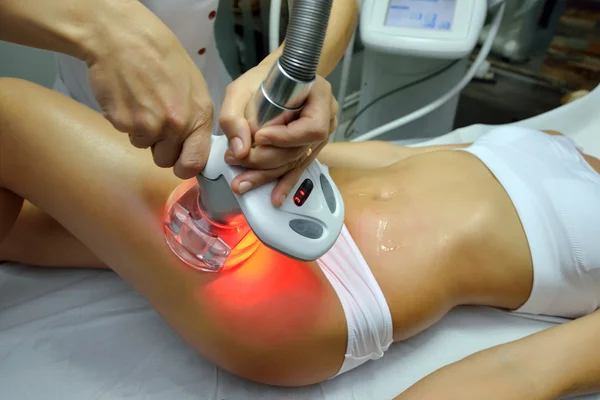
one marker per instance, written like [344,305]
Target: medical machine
[209,227]
[528,27]
[416,53]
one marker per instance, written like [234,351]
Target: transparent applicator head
[200,242]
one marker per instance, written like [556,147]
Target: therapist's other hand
[274,152]
[149,87]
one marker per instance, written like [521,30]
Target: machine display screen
[421,14]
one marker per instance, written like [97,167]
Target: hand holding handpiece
[275,151]
[206,224]
[281,152]
[143,79]
[149,88]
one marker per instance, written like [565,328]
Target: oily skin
[425,226]
[93,211]
[223,316]
[426,221]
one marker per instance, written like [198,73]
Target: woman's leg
[10,206]
[37,239]
[273,320]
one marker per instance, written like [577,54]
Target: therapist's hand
[275,151]
[149,88]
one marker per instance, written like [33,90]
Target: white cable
[274,20]
[481,57]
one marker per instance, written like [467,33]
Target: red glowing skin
[260,294]
[268,297]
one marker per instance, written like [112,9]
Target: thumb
[194,152]
[233,122]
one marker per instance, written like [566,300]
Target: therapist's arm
[62,26]
[285,151]
[559,362]
[141,75]
[342,21]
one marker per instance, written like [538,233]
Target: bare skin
[272,320]
[556,363]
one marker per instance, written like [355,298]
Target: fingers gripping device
[211,228]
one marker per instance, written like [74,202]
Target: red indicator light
[303,192]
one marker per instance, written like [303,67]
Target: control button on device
[303,192]
[307,228]
[328,193]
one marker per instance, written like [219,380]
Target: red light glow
[268,296]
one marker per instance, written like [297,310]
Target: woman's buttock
[437,230]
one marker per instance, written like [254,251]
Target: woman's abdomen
[428,227]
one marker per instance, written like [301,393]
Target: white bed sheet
[82,334]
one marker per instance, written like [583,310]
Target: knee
[18,93]
[11,92]
[10,203]
[10,87]
[10,207]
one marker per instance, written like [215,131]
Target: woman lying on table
[510,221]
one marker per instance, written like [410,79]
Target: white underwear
[556,194]
[368,316]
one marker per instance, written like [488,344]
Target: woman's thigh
[69,162]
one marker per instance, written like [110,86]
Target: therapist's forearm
[74,27]
[344,14]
